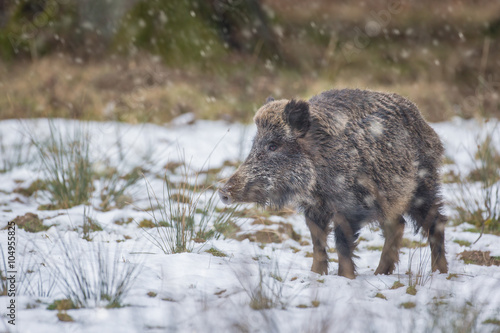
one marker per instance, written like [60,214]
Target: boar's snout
[225,196]
[234,189]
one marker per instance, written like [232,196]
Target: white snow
[198,292]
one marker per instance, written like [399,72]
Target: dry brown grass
[143,90]
[439,55]
[479,258]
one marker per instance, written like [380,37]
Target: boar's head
[278,169]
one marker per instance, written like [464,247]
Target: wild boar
[346,158]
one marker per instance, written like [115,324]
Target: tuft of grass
[216,253]
[66,165]
[380,295]
[90,277]
[114,191]
[188,213]
[420,276]
[35,279]
[267,292]
[460,318]
[152,294]
[483,210]
[3,277]
[14,155]
[89,224]
[411,290]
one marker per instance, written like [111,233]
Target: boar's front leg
[345,237]
[319,233]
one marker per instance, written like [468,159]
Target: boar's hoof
[441,265]
[346,268]
[384,269]
[349,275]
[320,267]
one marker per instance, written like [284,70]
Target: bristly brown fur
[347,157]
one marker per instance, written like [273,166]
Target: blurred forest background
[153,60]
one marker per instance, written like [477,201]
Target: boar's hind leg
[319,234]
[393,233]
[436,240]
[425,209]
[345,237]
[434,228]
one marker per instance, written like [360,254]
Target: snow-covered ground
[200,292]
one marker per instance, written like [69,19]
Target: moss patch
[263,236]
[412,244]
[492,321]
[146,224]
[35,186]
[397,284]
[479,258]
[63,316]
[62,305]
[268,235]
[462,242]
[123,221]
[30,222]
[408,305]
[216,253]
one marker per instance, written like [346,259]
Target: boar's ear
[297,116]
[269,100]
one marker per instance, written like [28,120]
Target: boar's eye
[272,147]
